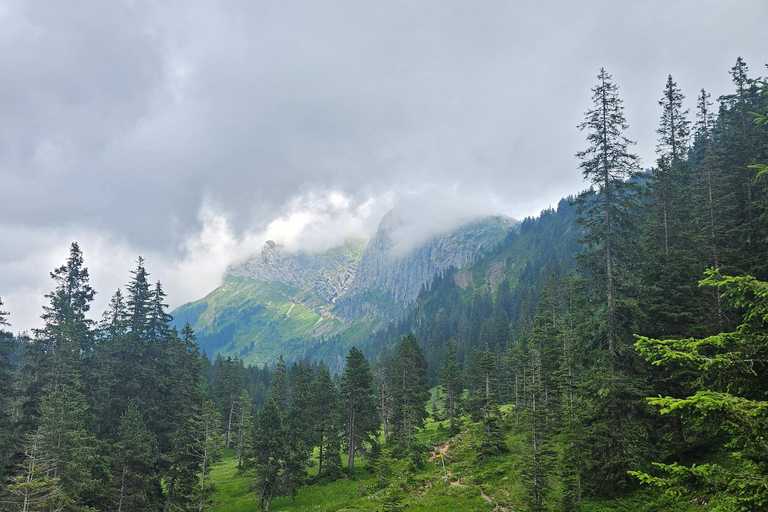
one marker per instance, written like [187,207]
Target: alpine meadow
[363,348]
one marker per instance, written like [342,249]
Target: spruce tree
[181,468]
[278,388]
[227,387]
[7,378]
[607,165]
[728,401]
[452,383]
[207,445]
[409,383]
[278,467]
[325,406]
[134,457]
[243,425]
[359,399]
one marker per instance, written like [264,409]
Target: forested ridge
[626,358]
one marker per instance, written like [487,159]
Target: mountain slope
[294,304]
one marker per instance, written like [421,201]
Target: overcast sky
[189,132]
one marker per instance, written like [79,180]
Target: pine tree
[672,148]
[181,469]
[227,387]
[475,383]
[731,378]
[206,431]
[299,419]
[243,425]
[488,367]
[452,383]
[278,388]
[607,165]
[134,457]
[35,487]
[359,399]
[674,129]
[325,406]
[409,382]
[7,378]
[69,449]
[278,471]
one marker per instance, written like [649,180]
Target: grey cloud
[124,116]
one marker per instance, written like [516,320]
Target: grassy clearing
[474,484]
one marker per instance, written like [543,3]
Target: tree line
[126,414]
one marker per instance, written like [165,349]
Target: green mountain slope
[320,304]
[258,321]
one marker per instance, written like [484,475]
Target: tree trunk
[122,491]
[231,411]
[169,496]
[320,457]
[384,414]
[351,458]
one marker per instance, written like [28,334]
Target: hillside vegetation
[610,354]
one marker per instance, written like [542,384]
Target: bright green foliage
[732,369]
[409,385]
[35,487]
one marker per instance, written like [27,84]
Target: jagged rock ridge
[329,274]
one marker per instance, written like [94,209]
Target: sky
[190,132]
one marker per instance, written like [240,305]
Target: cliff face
[328,274]
[400,273]
[299,300]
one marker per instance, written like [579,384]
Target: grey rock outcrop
[381,279]
[328,274]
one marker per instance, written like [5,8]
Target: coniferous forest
[626,367]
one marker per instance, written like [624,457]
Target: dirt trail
[455,483]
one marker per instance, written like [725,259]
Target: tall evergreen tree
[409,383]
[730,372]
[207,445]
[185,400]
[607,164]
[278,469]
[674,129]
[279,385]
[452,383]
[326,410]
[227,387]
[359,399]
[134,458]
[7,378]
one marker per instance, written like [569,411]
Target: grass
[474,484]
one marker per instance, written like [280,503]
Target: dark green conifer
[409,385]
[359,400]
[452,384]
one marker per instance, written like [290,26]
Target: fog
[191,132]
